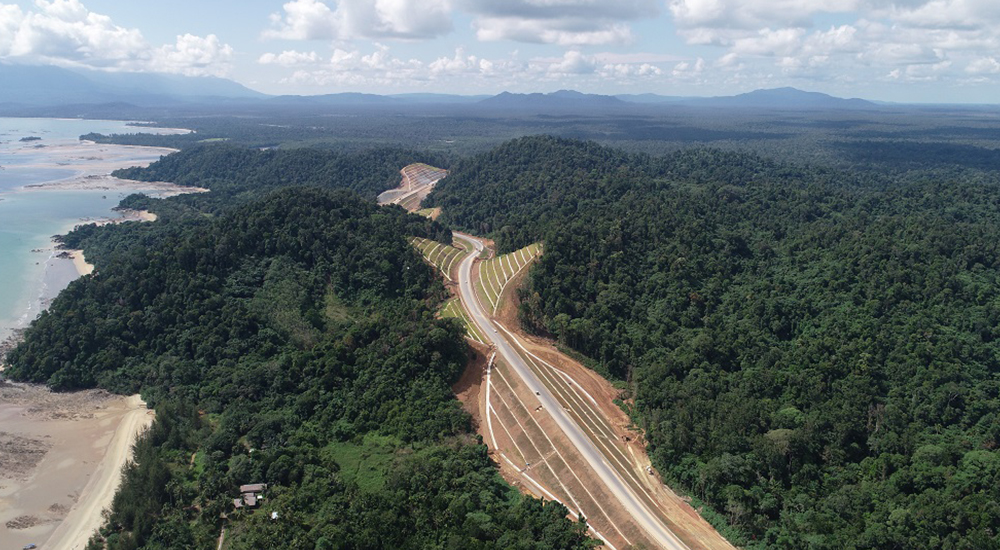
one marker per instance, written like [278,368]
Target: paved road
[658,532]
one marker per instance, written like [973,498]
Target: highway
[655,529]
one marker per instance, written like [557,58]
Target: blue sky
[905,50]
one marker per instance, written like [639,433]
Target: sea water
[30,273]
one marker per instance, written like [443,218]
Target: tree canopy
[289,340]
[812,353]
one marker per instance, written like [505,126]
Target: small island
[31,138]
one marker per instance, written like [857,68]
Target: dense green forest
[889,139]
[812,353]
[290,340]
[236,173]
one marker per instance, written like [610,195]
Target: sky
[932,51]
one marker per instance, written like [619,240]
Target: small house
[250,495]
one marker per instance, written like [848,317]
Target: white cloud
[905,40]
[349,19]
[702,16]
[983,65]
[11,17]
[458,64]
[685,68]
[946,14]
[566,33]
[562,22]
[303,20]
[289,58]
[627,71]
[193,56]
[65,32]
[572,63]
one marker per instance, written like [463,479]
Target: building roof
[253,488]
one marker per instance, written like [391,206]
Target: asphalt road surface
[656,530]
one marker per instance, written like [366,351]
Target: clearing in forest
[417,182]
[495,273]
[440,255]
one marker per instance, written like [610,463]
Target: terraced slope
[440,255]
[496,272]
[453,308]
[420,174]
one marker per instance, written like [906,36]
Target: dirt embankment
[469,387]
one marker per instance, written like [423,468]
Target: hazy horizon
[923,51]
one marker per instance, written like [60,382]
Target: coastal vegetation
[236,173]
[288,339]
[811,352]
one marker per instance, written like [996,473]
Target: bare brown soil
[469,385]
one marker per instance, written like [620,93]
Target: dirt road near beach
[60,461]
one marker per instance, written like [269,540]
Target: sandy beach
[60,461]
[80,262]
[61,454]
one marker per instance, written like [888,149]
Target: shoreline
[62,455]
[86,516]
[77,255]
[80,262]
[90,165]
[67,450]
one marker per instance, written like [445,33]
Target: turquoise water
[30,274]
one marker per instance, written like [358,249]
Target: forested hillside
[289,340]
[812,354]
[238,173]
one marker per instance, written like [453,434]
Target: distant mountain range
[41,86]
[782,98]
[47,85]
[561,100]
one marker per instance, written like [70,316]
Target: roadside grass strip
[497,272]
[439,255]
[574,399]
[453,309]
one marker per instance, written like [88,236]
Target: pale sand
[84,439]
[94,157]
[93,162]
[80,263]
[86,517]
[105,182]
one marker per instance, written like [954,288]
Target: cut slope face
[440,255]
[495,273]
[453,309]
[418,180]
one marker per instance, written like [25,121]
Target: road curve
[658,532]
